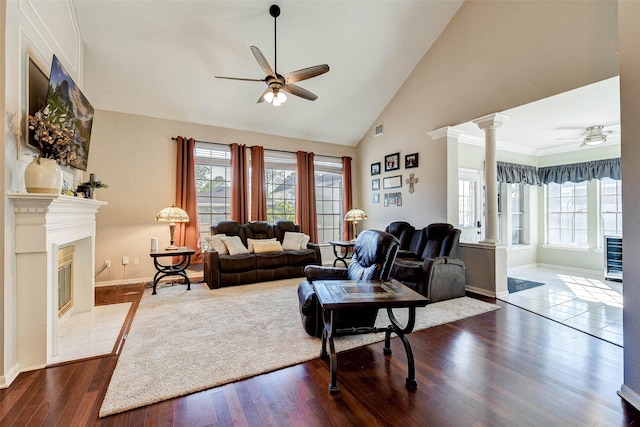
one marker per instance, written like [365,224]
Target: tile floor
[91,334]
[586,302]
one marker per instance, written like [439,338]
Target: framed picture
[399,201]
[392,182]
[376,197]
[375,184]
[386,201]
[375,168]
[392,162]
[411,161]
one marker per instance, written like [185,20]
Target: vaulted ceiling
[159,58]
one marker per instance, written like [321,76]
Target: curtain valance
[579,172]
[513,173]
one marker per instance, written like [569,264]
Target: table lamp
[172,215]
[355,215]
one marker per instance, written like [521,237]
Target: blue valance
[513,173]
[579,172]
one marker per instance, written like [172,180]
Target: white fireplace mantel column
[44,223]
[489,124]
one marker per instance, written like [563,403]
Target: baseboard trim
[480,291]
[630,396]
[11,375]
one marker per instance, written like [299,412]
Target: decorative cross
[411,180]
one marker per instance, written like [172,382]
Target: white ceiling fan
[593,135]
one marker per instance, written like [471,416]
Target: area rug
[182,341]
[517,285]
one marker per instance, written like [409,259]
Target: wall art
[411,161]
[375,184]
[375,168]
[392,182]
[392,162]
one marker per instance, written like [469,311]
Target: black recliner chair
[373,256]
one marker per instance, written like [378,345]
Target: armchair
[431,267]
[373,256]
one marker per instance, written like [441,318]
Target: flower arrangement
[55,136]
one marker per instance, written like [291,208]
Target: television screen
[64,97]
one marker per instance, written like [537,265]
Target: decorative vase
[43,176]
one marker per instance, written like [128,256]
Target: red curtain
[258,189]
[306,195]
[239,183]
[347,202]
[187,234]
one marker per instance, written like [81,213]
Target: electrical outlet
[107,263]
[136,261]
[125,260]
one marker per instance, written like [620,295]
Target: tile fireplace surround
[45,223]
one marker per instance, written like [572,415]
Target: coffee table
[338,295]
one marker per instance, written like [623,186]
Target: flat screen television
[64,97]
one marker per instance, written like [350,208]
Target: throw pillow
[305,241]
[234,245]
[264,245]
[250,242]
[215,242]
[292,241]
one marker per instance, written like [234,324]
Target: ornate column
[489,124]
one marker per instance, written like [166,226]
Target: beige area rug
[182,341]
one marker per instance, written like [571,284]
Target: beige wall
[136,157]
[493,56]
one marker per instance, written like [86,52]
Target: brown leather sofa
[428,260]
[228,270]
[373,256]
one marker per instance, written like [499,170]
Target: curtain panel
[513,173]
[347,202]
[258,186]
[238,211]
[187,234]
[306,215]
[579,172]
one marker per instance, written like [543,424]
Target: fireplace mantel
[44,223]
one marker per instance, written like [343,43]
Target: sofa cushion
[235,245]
[216,243]
[408,270]
[270,260]
[250,243]
[262,246]
[301,257]
[235,263]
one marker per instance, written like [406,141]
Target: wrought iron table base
[165,270]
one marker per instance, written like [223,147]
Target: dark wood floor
[505,368]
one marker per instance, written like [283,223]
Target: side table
[175,269]
[348,251]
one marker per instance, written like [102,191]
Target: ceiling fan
[278,83]
[593,135]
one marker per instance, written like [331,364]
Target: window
[328,177]
[611,206]
[517,214]
[280,179]
[213,183]
[567,214]
[467,203]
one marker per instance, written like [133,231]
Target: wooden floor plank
[504,368]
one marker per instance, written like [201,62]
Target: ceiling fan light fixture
[269,97]
[595,140]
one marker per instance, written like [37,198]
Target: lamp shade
[172,214]
[355,215]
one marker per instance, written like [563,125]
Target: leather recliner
[373,256]
[430,266]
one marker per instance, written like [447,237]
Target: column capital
[447,131]
[494,120]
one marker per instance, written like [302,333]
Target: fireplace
[48,226]
[65,279]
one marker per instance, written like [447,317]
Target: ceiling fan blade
[298,91]
[262,61]
[239,78]
[306,73]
